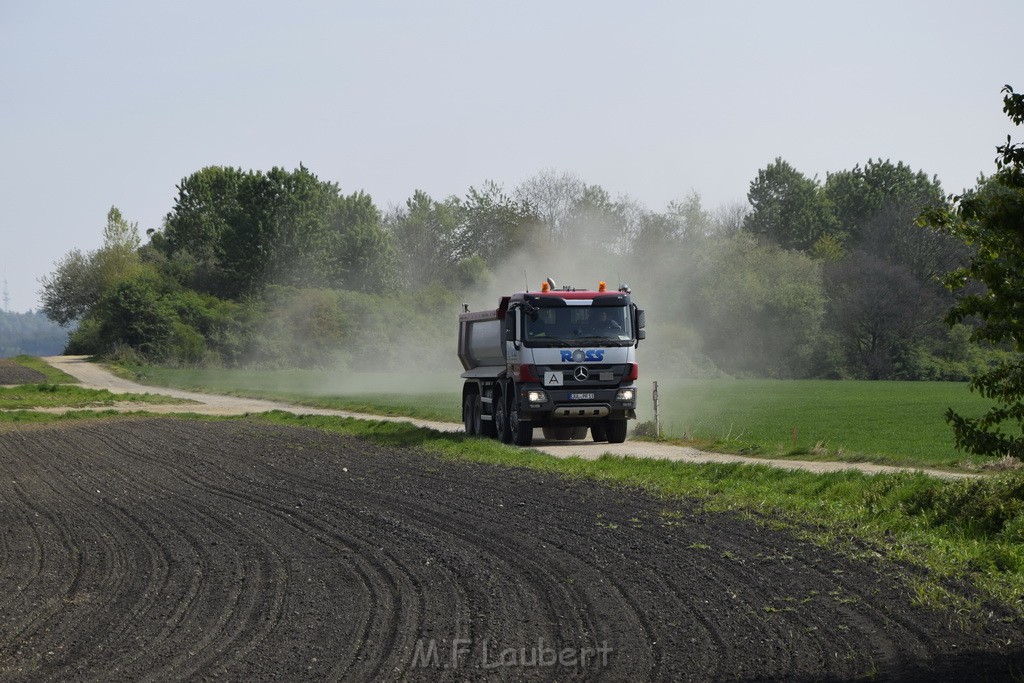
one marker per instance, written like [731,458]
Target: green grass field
[892,422]
[887,422]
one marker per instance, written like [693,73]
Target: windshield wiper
[550,341]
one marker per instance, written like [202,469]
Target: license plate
[581,397]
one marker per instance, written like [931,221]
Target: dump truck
[560,359]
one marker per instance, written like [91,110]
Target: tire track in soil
[243,550]
[119,585]
[235,604]
[551,592]
[381,603]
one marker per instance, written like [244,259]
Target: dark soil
[12,373]
[174,549]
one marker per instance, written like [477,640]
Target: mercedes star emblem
[581,374]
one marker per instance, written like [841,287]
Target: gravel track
[168,549]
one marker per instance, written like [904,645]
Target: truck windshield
[576,324]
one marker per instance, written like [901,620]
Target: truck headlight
[536,397]
[625,395]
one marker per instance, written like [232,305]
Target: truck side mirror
[641,334]
[641,319]
[510,334]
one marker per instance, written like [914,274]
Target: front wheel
[521,430]
[501,425]
[599,432]
[616,431]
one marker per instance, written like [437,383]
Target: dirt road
[168,549]
[98,377]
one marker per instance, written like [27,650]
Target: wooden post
[657,420]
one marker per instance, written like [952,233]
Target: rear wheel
[483,427]
[599,432]
[616,431]
[469,414]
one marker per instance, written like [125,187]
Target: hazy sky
[113,103]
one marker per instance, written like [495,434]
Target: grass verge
[62,395]
[960,533]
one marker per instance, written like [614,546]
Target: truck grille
[581,411]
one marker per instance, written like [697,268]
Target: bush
[85,339]
[186,345]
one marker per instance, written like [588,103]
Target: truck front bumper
[587,406]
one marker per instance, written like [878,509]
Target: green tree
[883,315]
[757,307]
[496,225]
[573,212]
[876,207]
[690,217]
[427,235]
[359,253]
[71,289]
[989,219]
[858,194]
[135,313]
[788,208]
[215,217]
[233,232]
[79,280]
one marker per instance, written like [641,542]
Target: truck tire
[599,432]
[520,431]
[616,431]
[501,425]
[469,416]
[484,428]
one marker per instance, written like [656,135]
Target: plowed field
[175,549]
[13,373]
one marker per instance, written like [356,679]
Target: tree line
[809,279]
[30,333]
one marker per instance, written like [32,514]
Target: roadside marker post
[657,420]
